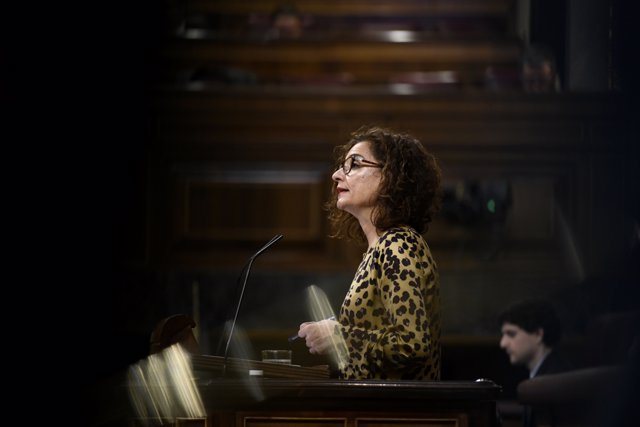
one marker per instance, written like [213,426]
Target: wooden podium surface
[226,393]
[296,403]
[215,365]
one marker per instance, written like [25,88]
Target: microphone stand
[245,271]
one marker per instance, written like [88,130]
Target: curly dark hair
[533,314]
[409,193]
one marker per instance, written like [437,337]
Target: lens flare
[162,387]
[320,309]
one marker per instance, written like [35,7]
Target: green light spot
[491,206]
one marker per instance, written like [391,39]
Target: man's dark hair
[534,314]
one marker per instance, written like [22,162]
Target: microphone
[244,276]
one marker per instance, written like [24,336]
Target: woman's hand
[318,335]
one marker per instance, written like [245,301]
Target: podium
[225,394]
[287,399]
[342,403]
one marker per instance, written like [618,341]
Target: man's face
[520,345]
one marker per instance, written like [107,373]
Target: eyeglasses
[356,160]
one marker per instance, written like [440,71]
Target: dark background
[77,77]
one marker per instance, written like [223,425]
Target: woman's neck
[370,231]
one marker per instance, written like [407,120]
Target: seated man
[530,331]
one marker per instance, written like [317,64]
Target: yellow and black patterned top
[390,318]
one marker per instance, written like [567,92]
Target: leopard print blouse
[390,317]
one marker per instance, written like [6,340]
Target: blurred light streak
[242,350]
[162,387]
[320,309]
[575,262]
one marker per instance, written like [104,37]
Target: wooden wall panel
[339,62]
[354,7]
[541,146]
[344,43]
[249,205]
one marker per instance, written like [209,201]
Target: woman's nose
[337,175]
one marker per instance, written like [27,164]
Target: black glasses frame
[348,162]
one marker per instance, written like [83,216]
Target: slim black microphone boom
[245,272]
